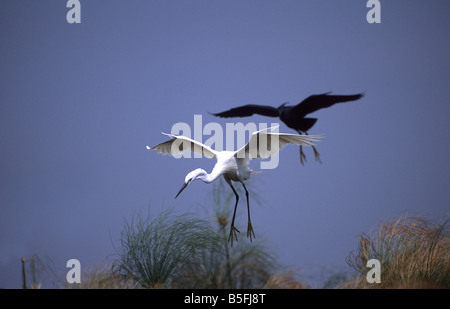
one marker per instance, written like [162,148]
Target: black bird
[293,116]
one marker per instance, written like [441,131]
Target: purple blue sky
[79,103]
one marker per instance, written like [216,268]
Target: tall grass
[245,265]
[153,250]
[103,277]
[36,270]
[413,252]
[181,251]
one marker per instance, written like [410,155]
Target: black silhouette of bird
[293,116]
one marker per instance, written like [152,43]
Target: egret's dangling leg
[233,229]
[316,153]
[302,154]
[250,231]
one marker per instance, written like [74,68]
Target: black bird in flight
[293,116]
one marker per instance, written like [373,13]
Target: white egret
[233,165]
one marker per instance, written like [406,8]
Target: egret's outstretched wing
[178,144]
[264,144]
[319,101]
[248,110]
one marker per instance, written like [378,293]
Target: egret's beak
[182,188]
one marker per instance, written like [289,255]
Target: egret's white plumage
[233,165]
[178,144]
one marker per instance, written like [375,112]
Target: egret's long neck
[213,176]
[210,177]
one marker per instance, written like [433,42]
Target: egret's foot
[233,234]
[250,231]
[302,157]
[316,155]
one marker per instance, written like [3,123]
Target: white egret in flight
[233,165]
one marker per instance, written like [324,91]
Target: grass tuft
[413,252]
[153,250]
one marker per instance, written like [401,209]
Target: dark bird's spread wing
[248,110]
[319,101]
